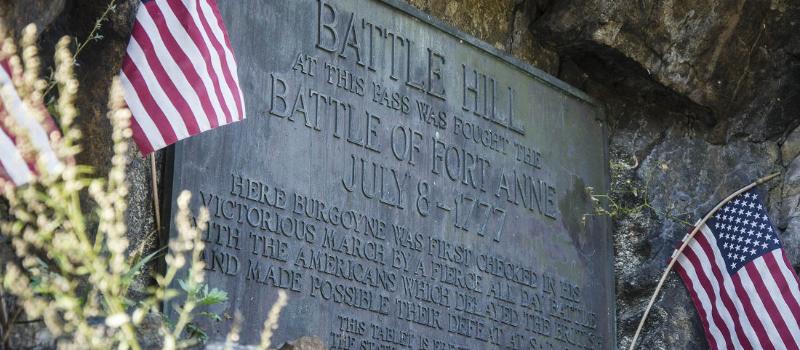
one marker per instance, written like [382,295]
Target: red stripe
[154,112]
[785,290]
[698,305]
[769,305]
[4,177]
[726,299]
[706,284]
[48,124]
[184,63]
[164,80]
[758,327]
[183,14]
[6,65]
[141,138]
[232,85]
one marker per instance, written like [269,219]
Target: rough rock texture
[33,336]
[702,97]
[18,14]
[505,24]
[303,343]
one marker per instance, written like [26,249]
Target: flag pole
[684,245]
[154,176]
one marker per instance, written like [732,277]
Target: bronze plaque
[407,185]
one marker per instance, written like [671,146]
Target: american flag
[15,167]
[741,281]
[179,74]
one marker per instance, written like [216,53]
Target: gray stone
[19,14]
[791,147]
[791,209]
[304,343]
[31,335]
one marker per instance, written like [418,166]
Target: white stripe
[719,338]
[183,39]
[216,62]
[183,86]
[755,300]
[140,114]
[24,119]
[777,297]
[727,283]
[230,59]
[705,265]
[12,161]
[163,101]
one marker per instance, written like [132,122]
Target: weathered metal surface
[408,186]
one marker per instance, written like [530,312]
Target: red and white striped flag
[16,167]
[742,284]
[179,74]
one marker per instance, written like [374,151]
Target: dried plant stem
[98,24]
[684,245]
[271,323]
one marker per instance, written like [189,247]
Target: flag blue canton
[743,231]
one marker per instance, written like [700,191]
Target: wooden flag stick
[684,245]
[154,176]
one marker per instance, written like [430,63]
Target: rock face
[702,98]
[303,343]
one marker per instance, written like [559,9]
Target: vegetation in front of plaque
[72,265]
[627,198]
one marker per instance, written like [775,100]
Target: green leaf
[213,297]
[196,332]
[212,316]
[184,286]
[170,322]
[137,268]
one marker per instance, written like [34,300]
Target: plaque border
[170,157]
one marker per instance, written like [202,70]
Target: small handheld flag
[179,74]
[685,243]
[740,279]
[15,167]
